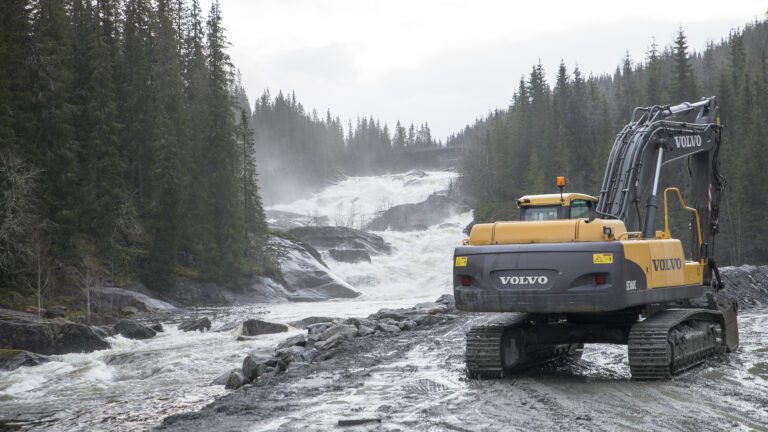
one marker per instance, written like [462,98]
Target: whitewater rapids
[135,384]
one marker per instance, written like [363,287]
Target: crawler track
[498,348]
[672,341]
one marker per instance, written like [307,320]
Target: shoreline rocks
[325,336]
[133,330]
[11,359]
[21,331]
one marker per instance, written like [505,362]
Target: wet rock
[200,324]
[431,308]
[350,255]
[19,330]
[256,364]
[327,344]
[57,311]
[158,327]
[290,354]
[343,331]
[448,300]
[319,328]
[129,310]
[306,322]
[113,299]
[310,355]
[407,325]
[11,359]
[365,331]
[427,319]
[133,330]
[236,380]
[223,378]
[391,314]
[306,277]
[256,327]
[407,217]
[299,340]
[357,322]
[326,238]
[387,328]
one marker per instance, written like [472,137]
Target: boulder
[257,363]
[357,322]
[298,340]
[290,354]
[407,325]
[407,217]
[326,237]
[223,378]
[21,331]
[319,328]
[431,308]
[448,300]
[158,327]
[365,331]
[306,322]
[342,331]
[236,380]
[255,327]
[11,359]
[387,328]
[327,344]
[133,330]
[200,324]
[310,355]
[306,277]
[350,255]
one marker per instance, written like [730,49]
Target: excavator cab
[556,206]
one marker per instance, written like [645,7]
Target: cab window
[579,209]
[540,213]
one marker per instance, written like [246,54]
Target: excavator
[578,269]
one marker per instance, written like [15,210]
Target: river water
[135,384]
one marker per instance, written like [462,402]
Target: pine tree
[683,85]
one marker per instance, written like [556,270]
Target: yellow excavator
[578,269]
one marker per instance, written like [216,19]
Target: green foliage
[120,156]
[569,131]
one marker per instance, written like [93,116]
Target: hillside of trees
[121,154]
[300,151]
[568,129]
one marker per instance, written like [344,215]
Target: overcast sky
[447,62]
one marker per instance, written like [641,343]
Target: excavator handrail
[667,233]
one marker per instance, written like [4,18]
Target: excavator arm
[657,136]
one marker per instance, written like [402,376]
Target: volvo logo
[688,141]
[666,264]
[523,280]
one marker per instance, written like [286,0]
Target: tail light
[600,279]
[466,281]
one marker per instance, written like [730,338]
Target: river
[135,384]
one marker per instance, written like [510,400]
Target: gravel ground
[416,381]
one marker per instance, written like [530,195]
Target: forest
[568,129]
[122,154]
